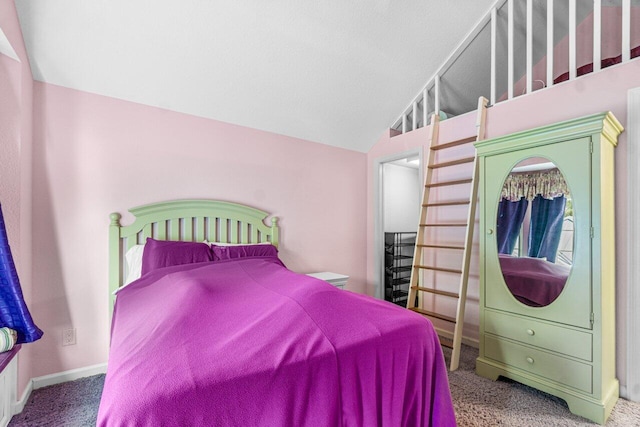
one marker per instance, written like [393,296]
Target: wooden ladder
[417,289]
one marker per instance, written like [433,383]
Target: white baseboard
[623,392]
[52,379]
[18,406]
[71,375]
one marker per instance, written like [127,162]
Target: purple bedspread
[533,281]
[249,343]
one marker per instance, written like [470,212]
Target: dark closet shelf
[398,263]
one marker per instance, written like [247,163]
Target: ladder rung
[436,291]
[445,342]
[454,143]
[445,183]
[443,225]
[432,314]
[441,246]
[451,203]
[452,163]
[429,267]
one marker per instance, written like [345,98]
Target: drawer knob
[530,360]
[490,231]
[531,332]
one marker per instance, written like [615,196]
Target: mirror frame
[519,271]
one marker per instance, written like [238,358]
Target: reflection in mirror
[534,231]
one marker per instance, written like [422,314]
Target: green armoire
[547,261]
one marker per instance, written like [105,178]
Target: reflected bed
[533,281]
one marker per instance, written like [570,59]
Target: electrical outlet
[69,336]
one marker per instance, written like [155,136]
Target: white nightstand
[337,280]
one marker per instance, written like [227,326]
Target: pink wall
[95,155]
[16,88]
[603,91]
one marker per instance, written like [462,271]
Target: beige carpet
[482,402]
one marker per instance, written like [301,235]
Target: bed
[533,281]
[604,63]
[240,340]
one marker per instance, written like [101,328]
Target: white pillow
[8,338]
[133,259]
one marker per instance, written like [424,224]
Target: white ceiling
[6,48]
[336,72]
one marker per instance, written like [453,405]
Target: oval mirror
[534,230]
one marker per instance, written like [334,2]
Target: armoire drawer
[552,367]
[544,335]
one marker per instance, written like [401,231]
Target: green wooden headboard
[185,220]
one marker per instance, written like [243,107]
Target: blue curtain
[510,217]
[14,313]
[546,227]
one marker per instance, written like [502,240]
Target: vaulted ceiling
[335,72]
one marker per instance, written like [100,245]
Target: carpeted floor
[482,402]
[478,402]
[70,404]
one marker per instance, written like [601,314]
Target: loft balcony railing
[521,46]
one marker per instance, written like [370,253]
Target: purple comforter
[249,343]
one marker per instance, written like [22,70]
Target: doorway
[398,193]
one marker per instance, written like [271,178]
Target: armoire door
[573,306]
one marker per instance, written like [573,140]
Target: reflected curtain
[546,226]
[14,313]
[547,183]
[510,217]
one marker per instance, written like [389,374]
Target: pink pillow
[163,253]
[243,251]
